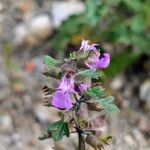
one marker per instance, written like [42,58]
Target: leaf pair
[96,92]
[90,73]
[49,61]
[109,107]
[59,129]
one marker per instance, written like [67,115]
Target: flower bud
[97,122]
[94,106]
[82,115]
[68,68]
[94,142]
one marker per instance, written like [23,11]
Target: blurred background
[30,29]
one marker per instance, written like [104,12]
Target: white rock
[21,33]
[145,91]
[41,113]
[117,83]
[41,26]
[6,122]
[33,30]
[130,141]
[1,6]
[45,114]
[62,10]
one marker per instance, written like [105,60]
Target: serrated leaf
[111,108]
[96,92]
[90,73]
[49,61]
[59,129]
[108,106]
[107,100]
[66,129]
[53,126]
[58,134]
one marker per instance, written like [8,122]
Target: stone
[33,30]
[145,91]
[130,141]
[21,33]
[61,10]
[139,138]
[45,114]
[117,82]
[6,122]
[41,26]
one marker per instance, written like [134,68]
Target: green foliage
[59,129]
[120,62]
[108,106]
[49,61]
[56,130]
[96,92]
[90,73]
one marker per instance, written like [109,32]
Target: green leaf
[53,126]
[108,106]
[96,92]
[107,100]
[59,129]
[58,134]
[66,129]
[138,24]
[62,129]
[111,108]
[90,73]
[49,61]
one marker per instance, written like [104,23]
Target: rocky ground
[22,115]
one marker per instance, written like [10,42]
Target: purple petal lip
[62,97]
[104,61]
[62,100]
[99,63]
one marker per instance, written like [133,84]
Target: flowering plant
[83,101]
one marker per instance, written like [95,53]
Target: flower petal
[104,61]
[83,87]
[86,46]
[62,100]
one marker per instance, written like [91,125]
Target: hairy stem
[81,144]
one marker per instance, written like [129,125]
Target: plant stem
[81,141]
[81,144]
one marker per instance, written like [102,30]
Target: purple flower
[67,84]
[62,97]
[83,87]
[62,100]
[95,62]
[86,46]
[104,61]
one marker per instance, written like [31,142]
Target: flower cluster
[62,96]
[77,96]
